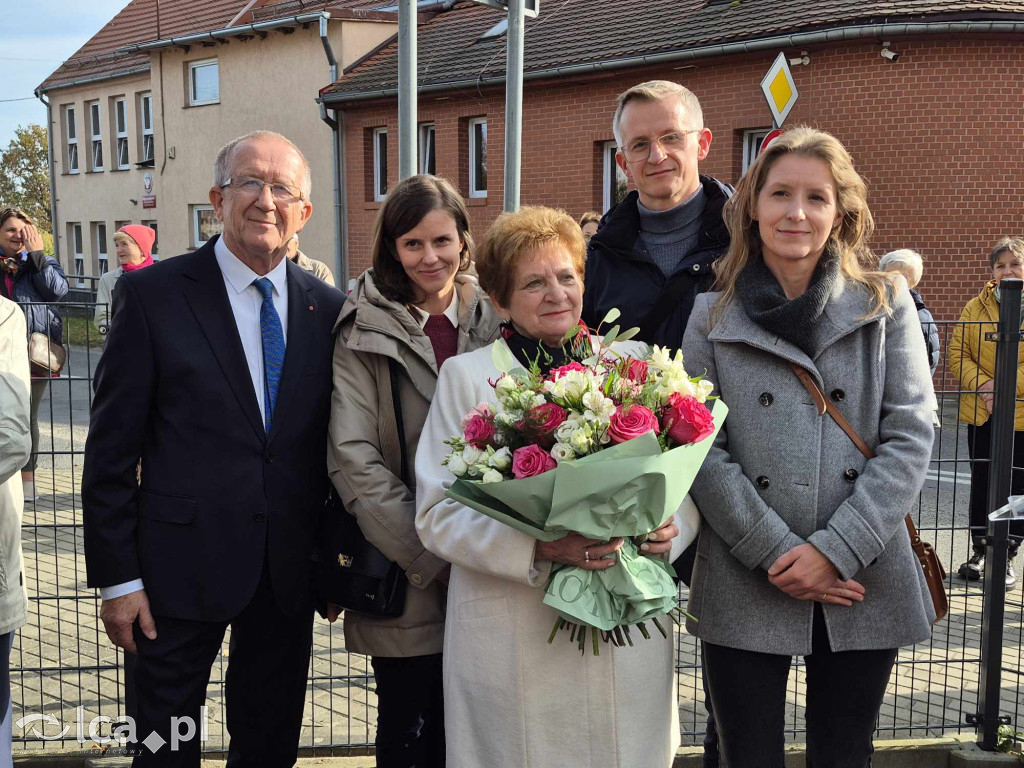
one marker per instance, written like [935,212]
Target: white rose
[562,452]
[501,459]
[563,432]
[472,455]
[456,465]
[492,476]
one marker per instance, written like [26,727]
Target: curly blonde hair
[849,238]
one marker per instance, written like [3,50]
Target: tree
[24,175]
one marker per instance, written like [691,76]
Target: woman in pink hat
[134,245]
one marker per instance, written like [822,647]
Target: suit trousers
[844,693]
[410,711]
[268,666]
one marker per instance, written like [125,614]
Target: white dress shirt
[246,302]
[452,313]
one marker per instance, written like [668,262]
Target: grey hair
[222,165]
[656,90]
[1014,245]
[901,259]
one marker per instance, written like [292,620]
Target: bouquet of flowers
[607,446]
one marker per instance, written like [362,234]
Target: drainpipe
[53,178]
[337,156]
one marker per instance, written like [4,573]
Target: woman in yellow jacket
[972,360]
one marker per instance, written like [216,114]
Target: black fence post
[1007,337]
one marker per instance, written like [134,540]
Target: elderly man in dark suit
[217,376]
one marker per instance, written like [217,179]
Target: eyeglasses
[253,188]
[670,142]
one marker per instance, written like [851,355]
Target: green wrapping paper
[625,490]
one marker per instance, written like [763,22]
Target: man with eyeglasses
[652,253]
[217,377]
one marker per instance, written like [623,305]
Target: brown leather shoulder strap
[824,406]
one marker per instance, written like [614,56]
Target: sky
[36,39]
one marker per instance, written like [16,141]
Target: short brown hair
[514,235]
[14,213]
[404,208]
[590,217]
[1014,245]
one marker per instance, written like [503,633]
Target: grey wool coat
[780,475]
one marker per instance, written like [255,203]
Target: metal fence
[68,681]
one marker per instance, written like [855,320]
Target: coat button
[850,475]
[838,395]
[766,398]
[259,517]
[416,579]
[763,482]
[268,457]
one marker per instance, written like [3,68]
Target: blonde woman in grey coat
[15,445]
[417,306]
[805,551]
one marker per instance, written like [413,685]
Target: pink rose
[530,461]
[556,373]
[631,421]
[635,370]
[546,418]
[687,420]
[479,431]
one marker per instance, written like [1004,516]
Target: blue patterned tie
[273,346]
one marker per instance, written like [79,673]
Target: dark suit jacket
[217,494]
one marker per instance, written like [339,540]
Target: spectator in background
[909,264]
[15,445]
[31,278]
[588,224]
[133,244]
[972,359]
[318,268]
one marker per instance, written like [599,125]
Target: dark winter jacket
[39,280]
[620,274]
[930,330]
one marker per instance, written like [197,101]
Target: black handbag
[350,571]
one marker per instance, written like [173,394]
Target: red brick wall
[938,135]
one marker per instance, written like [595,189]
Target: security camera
[890,55]
[803,58]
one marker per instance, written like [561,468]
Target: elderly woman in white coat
[804,550]
[510,697]
[15,445]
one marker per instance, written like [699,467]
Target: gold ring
[824,595]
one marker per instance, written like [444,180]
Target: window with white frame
[156,240]
[99,229]
[71,138]
[96,136]
[478,157]
[427,164]
[204,225]
[615,181]
[380,163]
[146,121]
[752,145]
[75,235]
[121,133]
[203,82]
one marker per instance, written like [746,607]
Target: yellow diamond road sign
[780,89]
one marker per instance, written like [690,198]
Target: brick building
[938,132]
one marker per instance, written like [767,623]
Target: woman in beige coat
[15,445]
[417,306]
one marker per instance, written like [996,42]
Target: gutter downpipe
[337,158]
[841,34]
[53,178]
